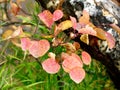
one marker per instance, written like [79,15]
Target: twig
[4,48]
[6,12]
[38,62]
[12,23]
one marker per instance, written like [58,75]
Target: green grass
[18,73]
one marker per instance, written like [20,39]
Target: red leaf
[110,40]
[86,58]
[47,18]
[39,48]
[58,14]
[77,74]
[50,66]
[70,62]
[87,30]
[25,43]
[14,8]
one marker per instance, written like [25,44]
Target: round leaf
[70,62]
[50,66]
[58,14]
[39,48]
[86,58]
[77,74]
[25,43]
[47,18]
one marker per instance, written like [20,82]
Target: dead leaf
[100,33]
[84,38]
[16,42]
[14,8]
[70,48]
[76,45]
[7,34]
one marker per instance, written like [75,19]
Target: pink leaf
[25,43]
[110,40]
[34,49]
[77,74]
[44,46]
[64,55]
[86,58]
[74,22]
[78,58]
[58,14]
[87,30]
[70,62]
[47,18]
[39,48]
[50,66]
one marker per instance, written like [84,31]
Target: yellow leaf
[7,33]
[84,38]
[85,18]
[100,32]
[65,25]
[16,42]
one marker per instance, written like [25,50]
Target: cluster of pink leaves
[71,64]
[35,48]
[48,18]
[84,26]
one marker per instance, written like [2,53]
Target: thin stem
[6,12]
[4,48]
[12,23]
[38,62]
